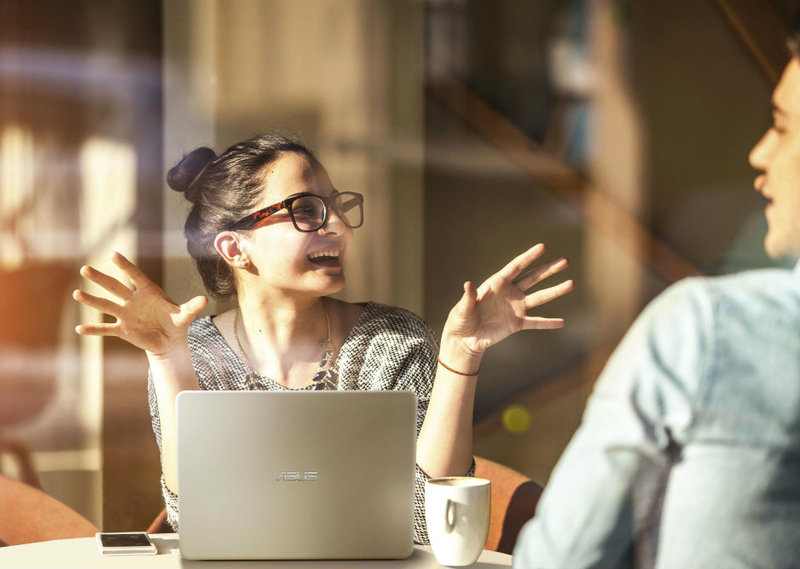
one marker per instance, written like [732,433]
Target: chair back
[31,307]
[28,515]
[514,498]
[160,524]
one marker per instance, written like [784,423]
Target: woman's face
[288,260]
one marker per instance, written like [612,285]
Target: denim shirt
[688,454]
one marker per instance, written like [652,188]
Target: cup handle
[450,516]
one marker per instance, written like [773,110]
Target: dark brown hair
[794,39]
[223,189]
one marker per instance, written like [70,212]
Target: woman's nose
[333,224]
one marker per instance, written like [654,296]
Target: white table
[82,553]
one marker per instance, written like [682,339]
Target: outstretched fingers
[513,269]
[191,308]
[101,304]
[134,273]
[98,329]
[110,284]
[468,302]
[539,274]
[538,323]
[547,294]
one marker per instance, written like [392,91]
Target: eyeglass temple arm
[259,215]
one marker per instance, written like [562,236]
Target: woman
[268,227]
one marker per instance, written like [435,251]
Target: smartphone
[125,543]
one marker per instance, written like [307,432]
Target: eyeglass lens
[309,211]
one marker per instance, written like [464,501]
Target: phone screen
[124,540]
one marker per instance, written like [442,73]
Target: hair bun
[182,176]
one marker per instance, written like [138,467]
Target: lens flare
[516,419]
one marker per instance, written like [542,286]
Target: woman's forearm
[444,446]
[171,375]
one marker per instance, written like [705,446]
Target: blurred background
[615,132]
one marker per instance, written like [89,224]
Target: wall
[79,126]
[346,77]
[661,132]
[672,104]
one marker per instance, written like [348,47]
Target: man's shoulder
[747,286]
[759,292]
[757,278]
[694,303]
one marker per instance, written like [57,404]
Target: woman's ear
[227,245]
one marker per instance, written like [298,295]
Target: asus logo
[295,476]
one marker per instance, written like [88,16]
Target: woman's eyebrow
[294,195]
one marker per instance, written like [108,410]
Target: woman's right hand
[145,315]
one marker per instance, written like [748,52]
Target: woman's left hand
[499,307]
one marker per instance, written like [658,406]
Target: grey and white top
[388,349]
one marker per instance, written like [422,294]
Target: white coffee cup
[457,513]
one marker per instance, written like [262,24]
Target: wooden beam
[600,211]
[761,31]
[763,35]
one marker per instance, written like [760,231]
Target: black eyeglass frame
[328,203]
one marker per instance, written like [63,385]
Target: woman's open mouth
[329,258]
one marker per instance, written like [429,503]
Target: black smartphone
[125,543]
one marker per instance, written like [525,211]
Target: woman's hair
[223,189]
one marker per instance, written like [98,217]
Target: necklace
[327,376]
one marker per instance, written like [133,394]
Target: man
[689,450]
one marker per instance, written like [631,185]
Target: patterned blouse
[388,348]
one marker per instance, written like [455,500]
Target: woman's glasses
[309,212]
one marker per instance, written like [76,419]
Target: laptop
[296,475]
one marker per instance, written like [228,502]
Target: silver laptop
[296,475]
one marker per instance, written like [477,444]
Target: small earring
[244,263]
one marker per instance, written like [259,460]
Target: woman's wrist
[178,352]
[173,371]
[455,356]
[455,371]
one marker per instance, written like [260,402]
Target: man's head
[777,156]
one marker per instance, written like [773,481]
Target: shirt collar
[797,268]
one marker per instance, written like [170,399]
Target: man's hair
[794,39]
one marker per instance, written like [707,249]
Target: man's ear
[228,246]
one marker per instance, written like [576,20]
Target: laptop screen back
[296,475]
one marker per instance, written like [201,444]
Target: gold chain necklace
[327,376]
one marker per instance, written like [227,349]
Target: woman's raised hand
[146,317]
[499,307]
